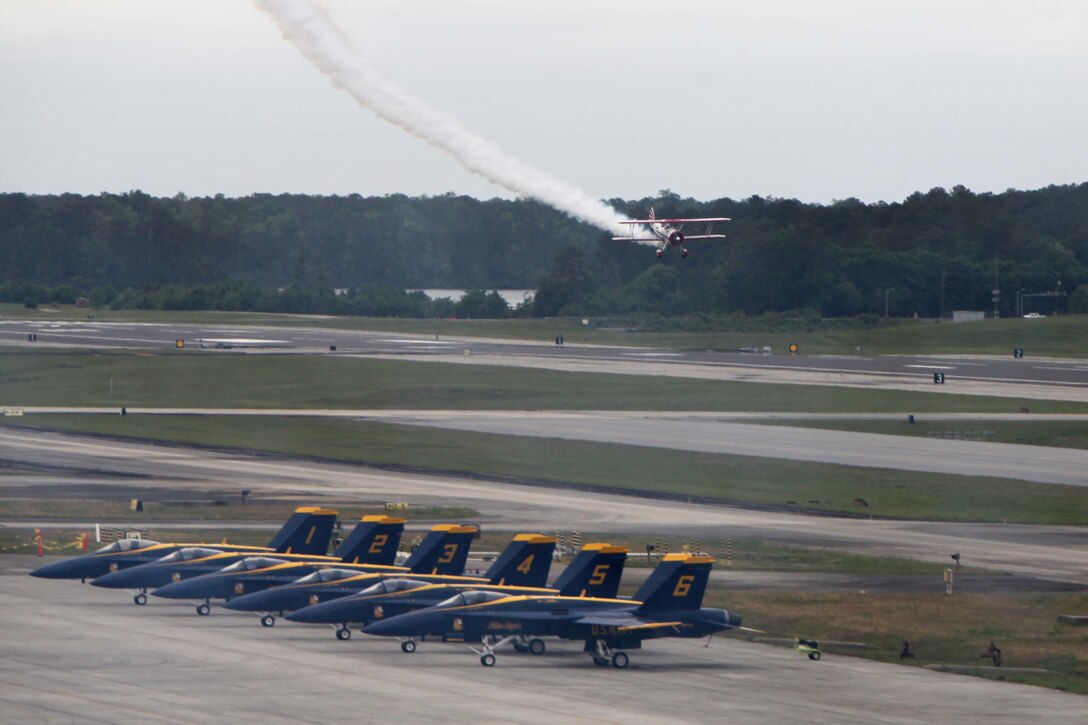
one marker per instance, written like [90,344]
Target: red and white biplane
[670,232]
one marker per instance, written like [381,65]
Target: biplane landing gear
[660,253]
[683,252]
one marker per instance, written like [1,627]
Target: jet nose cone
[382,628]
[405,625]
[265,601]
[306,615]
[332,612]
[180,590]
[66,569]
[117,580]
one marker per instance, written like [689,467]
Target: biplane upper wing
[674,221]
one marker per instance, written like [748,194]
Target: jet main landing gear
[488,645]
[534,646]
[604,655]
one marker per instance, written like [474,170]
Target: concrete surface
[73,653]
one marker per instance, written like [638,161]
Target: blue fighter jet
[525,562]
[307,530]
[192,563]
[595,572]
[445,549]
[668,604]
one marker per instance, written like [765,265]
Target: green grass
[941,629]
[178,379]
[758,555]
[741,479]
[1064,336]
[209,509]
[1060,434]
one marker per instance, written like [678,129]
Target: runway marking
[931,367]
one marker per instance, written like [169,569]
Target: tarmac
[73,653]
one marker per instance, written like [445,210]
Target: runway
[679,431]
[716,433]
[72,653]
[1031,378]
[1049,552]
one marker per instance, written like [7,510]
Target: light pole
[1019,302]
[886,293]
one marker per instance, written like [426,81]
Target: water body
[513,297]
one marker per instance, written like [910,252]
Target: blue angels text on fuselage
[669,232]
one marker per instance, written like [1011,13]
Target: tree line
[928,255]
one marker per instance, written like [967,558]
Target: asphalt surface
[70,653]
[1058,553]
[1011,377]
[712,433]
[73,653]
[706,434]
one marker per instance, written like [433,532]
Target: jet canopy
[126,545]
[189,553]
[253,562]
[466,598]
[327,575]
[388,586]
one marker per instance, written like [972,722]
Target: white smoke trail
[315,35]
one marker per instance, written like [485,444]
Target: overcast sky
[816,100]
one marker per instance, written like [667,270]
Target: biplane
[669,232]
